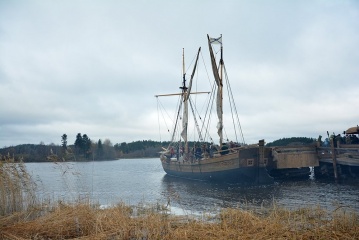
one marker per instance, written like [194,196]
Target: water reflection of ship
[208,196]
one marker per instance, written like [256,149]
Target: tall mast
[185,107]
[183,72]
[183,65]
[221,89]
[221,60]
[186,91]
[183,87]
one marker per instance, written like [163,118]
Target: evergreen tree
[291,141]
[124,147]
[99,149]
[64,142]
[78,143]
[86,145]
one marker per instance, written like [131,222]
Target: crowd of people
[204,150]
[342,139]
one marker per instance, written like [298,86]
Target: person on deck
[198,153]
[224,149]
[211,150]
[172,151]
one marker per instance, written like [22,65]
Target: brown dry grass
[17,190]
[83,221]
[21,220]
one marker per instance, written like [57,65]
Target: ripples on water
[135,181]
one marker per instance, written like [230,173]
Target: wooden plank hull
[243,167]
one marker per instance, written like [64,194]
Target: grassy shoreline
[24,216]
[83,221]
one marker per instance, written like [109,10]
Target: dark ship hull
[244,166]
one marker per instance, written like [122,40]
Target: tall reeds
[17,189]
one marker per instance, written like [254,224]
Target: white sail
[219,113]
[185,119]
[219,92]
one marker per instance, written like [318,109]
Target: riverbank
[26,215]
[83,221]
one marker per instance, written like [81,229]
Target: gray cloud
[94,67]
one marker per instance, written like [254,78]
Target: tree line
[85,149]
[291,141]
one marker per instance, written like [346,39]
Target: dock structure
[340,161]
[292,161]
[337,161]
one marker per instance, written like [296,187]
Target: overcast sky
[94,66]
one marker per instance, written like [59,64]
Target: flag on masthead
[216,40]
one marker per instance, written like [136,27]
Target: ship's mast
[183,87]
[185,93]
[185,107]
[221,89]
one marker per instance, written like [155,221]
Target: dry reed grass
[83,221]
[17,189]
[86,221]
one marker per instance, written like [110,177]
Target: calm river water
[135,181]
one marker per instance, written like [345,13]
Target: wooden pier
[292,161]
[340,161]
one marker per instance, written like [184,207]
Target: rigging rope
[202,125]
[205,67]
[196,122]
[235,108]
[159,103]
[230,99]
[178,116]
[208,111]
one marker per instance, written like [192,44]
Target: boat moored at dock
[201,158]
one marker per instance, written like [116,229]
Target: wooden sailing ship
[202,158]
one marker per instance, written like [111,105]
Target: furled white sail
[184,118]
[219,91]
